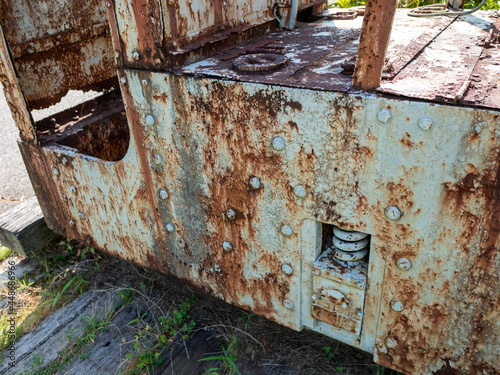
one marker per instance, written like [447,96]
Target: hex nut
[393,213]
[163,194]
[157,159]
[278,144]
[384,115]
[226,246]
[254,183]
[299,191]
[288,304]
[170,227]
[230,214]
[286,230]
[425,123]
[135,55]
[397,305]
[287,269]
[403,264]
[391,343]
[150,120]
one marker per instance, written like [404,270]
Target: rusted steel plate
[443,68]
[373,42]
[14,94]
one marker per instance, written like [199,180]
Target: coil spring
[349,246]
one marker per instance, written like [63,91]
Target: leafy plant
[328,350]
[228,358]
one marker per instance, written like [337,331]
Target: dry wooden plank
[373,42]
[23,228]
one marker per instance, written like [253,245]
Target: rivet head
[287,269]
[286,230]
[72,223]
[171,2]
[64,198]
[226,246]
[317,272]
[384,115]
[108,4]
[314,297]
[55,171]
[397,305]
[344,305]
[72,189]
[135,55]
[299,191]
[278,144]
[163,194]
[254,183]
[64,161]
[145,82]
[81,215]
[123,80]
[403,264]
[170,227]
[425,123]
[150,120]
[230,214]
[288,304]
[393,213]
[391,343]
[157,61]
[157,159]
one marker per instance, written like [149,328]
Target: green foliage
[4,253]
[490,4]
[228,358]
[328,350]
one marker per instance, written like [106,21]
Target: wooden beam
[373,42]
[23,228]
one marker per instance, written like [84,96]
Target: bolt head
[64,161]
[230,214]
[123,80]
[64,198]
[287,269]
[393,213]
[150,120]
[384,115]
[314,297]
[397,305]
[55,171]
[391,343]
[157,61]
[288,304]
[108,4]
[226,246]
[72,223]
[144,82]
[316,272]
[278,144]
[31,51]
[72,189]
[136,55]
[286,230]
[254,183]
[171,2]
[81,215]
[300,191]
[163,194]
[157,159]
[170,227]
[403,264]
[425,123]
[344,305]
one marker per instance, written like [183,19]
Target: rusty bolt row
[425,122]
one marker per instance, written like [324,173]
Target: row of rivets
[425,122]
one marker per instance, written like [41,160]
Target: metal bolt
[393,213]
[314,297]
[226,246]
[278,144]
[254,183]
[344,305]
[144,82]
[384,115]
[397,305]
[82,216]
[31,51]
[135,55]
[108,4]
[220,296]
[317,272]
[150,120]
[72,189]
[425,123]
[286,230]
[123,80]
[157,159]
[287,269]
[231,215]
[242,21]
[55,171]
[288,304]
[391,343]
[64,161]
[170,227]
[403,264]
[163,194]
[72,223]
[299,191]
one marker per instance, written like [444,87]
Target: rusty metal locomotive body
[245,159]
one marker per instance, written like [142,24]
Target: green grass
[490,4]
[4,253]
